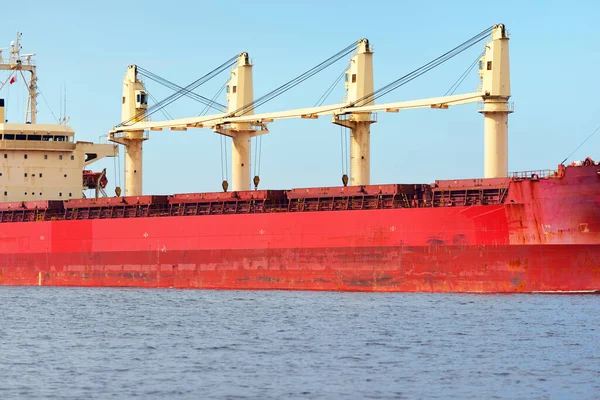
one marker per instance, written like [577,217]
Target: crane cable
[462,78]
[199,98]
[257,155]
[325,95]
[177,95]
[164,111]
[205,109]
[582,143]
[421,70]
[293,82]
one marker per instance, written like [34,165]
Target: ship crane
[240,122]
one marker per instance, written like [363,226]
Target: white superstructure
[40,161]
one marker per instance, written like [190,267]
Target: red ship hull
[544,236]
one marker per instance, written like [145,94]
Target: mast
[17,63]
[494,71]
[240,93]
[134,105]
[359,83]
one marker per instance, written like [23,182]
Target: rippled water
[115,343]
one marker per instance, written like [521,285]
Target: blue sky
[87,46]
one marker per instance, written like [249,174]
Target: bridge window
[9,137]
[21,137]
[47,138]
[34,137]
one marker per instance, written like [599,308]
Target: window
[234,89]
[40,174]
[123,99]
[25,193]
[65,175]
[480,64]
[489,65]
[60,194]
[40,193]
[45,156]
[6,193]
[60,157]
[353,78]
[25,156]
[72,157]
[25,174]
[5,155]
[346,78]
[69,194]
[0,173]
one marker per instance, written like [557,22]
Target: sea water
[75,343]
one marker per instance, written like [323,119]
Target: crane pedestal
[495,113]
[133,142]
[240,161]
[360,146]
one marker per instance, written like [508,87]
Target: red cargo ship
[536,231]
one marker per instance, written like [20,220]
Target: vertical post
[359,83]
[239,94]
[134,105]
[494,70]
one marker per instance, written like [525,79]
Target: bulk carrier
[535,231]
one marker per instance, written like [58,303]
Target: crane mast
[240,96]
[494,70]
[134,105]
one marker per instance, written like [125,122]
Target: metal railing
[510,106]
[534,174]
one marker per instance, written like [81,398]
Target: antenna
[64,119]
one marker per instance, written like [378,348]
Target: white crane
[355,113]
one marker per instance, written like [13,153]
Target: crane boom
[311,112]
